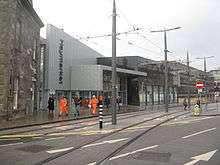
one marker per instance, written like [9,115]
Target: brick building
[19,57]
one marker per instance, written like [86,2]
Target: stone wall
[19,55]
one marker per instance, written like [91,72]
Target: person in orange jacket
[63,106]
[93,103]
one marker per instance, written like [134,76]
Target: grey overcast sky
[199,19]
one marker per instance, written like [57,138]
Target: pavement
[43,117]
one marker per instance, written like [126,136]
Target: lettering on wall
[61,45]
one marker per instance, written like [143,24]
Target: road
[184,140]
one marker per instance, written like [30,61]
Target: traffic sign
[200,85]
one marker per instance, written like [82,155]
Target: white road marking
[133,152]
[65,127]
[94,163]
[204,157]
[105,142]
[197,133]
[80,129]
[55,138]
[59,150]
[12,144]
[47,126]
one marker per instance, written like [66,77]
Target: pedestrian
[198,103]
[63,106]
[185,104]
[50,105]
[101,99]
[93,104]
[77,102]
[118,101]
[107,101]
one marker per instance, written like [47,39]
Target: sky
[199,21]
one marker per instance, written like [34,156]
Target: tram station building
[71,68]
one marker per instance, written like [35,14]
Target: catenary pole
[165,63]
[206,79]
[114,113]
[166,71]
[188,74]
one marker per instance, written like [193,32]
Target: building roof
[28,5]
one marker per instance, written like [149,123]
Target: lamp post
[114,113]
[204,58]
[165,62]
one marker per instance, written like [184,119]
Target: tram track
[57,156]
[68,124]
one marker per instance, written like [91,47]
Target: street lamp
[165,62]
[114,113]
[204,58]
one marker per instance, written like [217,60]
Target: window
[156,94]
[161,95]
[18,34]
[35,49]
[16,92]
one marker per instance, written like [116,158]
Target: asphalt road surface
[185,140]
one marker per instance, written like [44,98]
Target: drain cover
[34,148]
[152,156]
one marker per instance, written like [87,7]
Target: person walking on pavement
[63,106]
[198,103]
[93,103]
[101,99]
[107,101]
[185,104]
[50,105]
[77,102]
[118,101]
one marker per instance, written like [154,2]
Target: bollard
[100,116]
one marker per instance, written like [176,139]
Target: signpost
[200,86]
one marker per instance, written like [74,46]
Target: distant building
[216,76]
[19,57]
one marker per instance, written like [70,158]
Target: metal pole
[188,73]
[166,72]
[206,99]
[100,116]
[165,63]
[114,114]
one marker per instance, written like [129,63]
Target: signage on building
[61,45]
[200,85]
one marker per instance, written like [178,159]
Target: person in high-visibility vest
[93,103]
[63,106]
